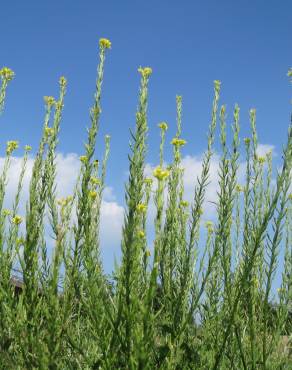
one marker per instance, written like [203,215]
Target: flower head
[49,100]
[239,188]
[6,212]
[92,194]
[63,202]
[246,140]
[141,208]
[147,253]
[49,131]
[11,146]
[178,142]
[27,148]
[145,72]
[184,203]
[6,74]
[17,220]
[210,226]
[261,160]
[160,174]
[83,158]
[105,43]
[163,126]
[141,234]
[148,181]
[62,81]
[95,181]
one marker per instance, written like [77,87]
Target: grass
[192,302]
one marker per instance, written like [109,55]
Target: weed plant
[192,302]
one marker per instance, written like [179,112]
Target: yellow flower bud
[6,74]
[142,208]
[163,126]
[105,43]
[145,72]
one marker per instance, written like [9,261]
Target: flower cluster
[6,74]
[160,174]
[210,226]
[141,208]
[83,158]
[11,146]
[62,81]
[148,181]
[141,234]
[145,72]
[27,148]
[178,142]
[49,131]
[95,181]
[92,194]
[49,100]
[163,126]
[239,188]
[63,202]
[17,220]
[184,203]
[105,43]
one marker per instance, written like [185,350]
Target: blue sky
[245,44]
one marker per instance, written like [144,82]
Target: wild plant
[202,296]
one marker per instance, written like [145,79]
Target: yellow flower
[92,194]
[239,188]
[178,142]
[49,100]
[62,81]
[27,148]
[20,241]
[163,126]
[6,74]
[147,253]
[141,234]
[95,181]
[17,220]
[160,174]
[83,158]
[210,226]
[184,203]
[105,43]
[64,201]
[11,146]
[49,131]
[148,181]
[261,160]
[246,140]
[6,212]
[141,208]
[145,72]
